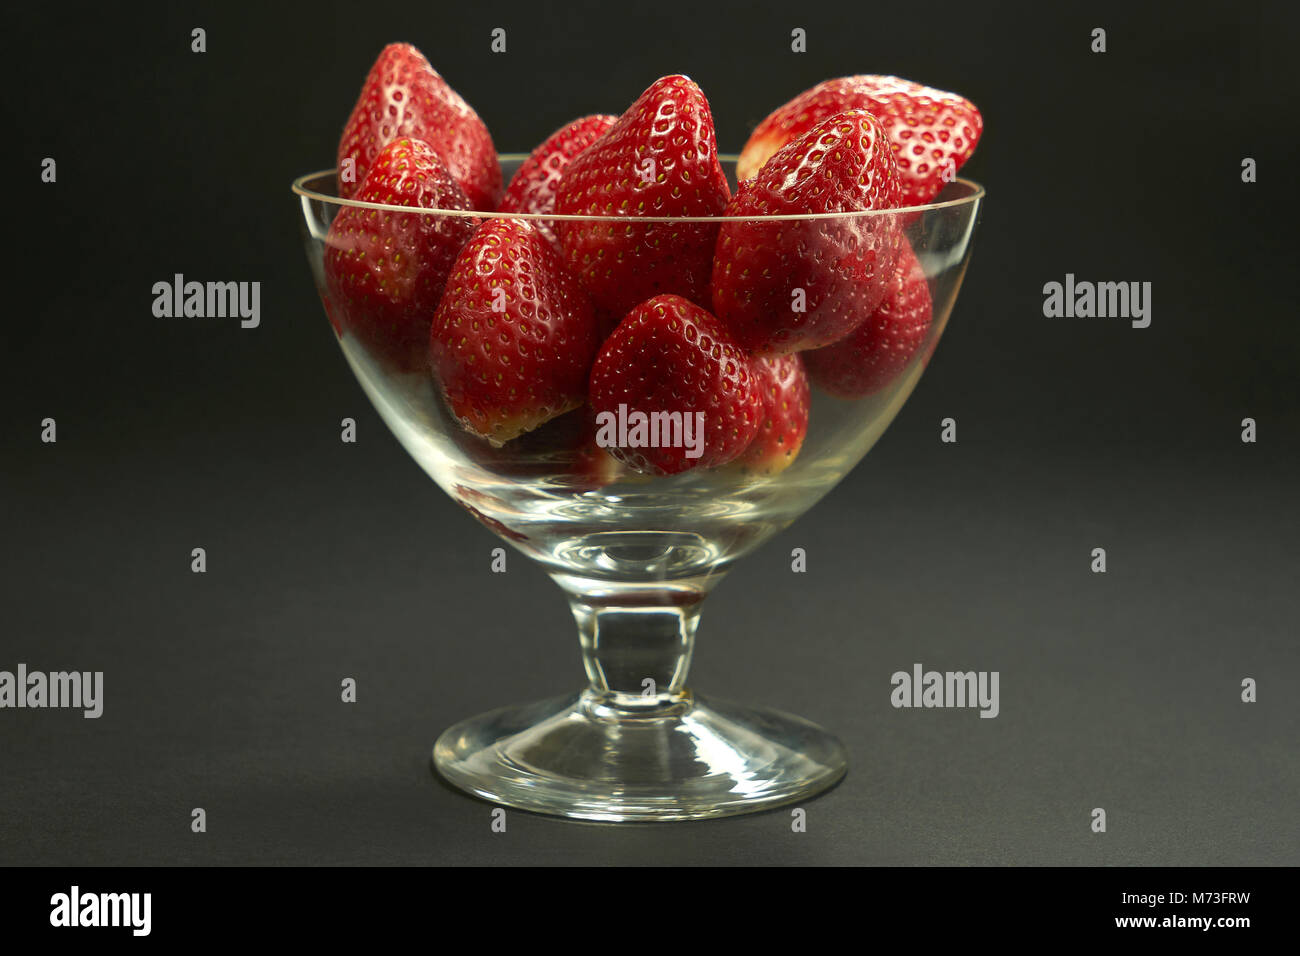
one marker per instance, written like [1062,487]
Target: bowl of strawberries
[636,359]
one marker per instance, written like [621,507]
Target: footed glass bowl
[635,554]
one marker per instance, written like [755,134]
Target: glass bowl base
[679,758]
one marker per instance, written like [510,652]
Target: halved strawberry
[659,159]
[514,337]
[533,187]
[786,285]
[874,354]
[404,96]
[385,270]
[671,390]
[932,131]
[784,421]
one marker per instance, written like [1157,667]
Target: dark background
[328,560]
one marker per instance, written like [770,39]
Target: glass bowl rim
[299,186]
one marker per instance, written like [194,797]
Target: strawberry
[786,285]
[532,188]
[660,158]
[932,131]
[514,336]
[784,421]
[671,390]
[876,352]
[404,96]
[385,270]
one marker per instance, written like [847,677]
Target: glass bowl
[635,554]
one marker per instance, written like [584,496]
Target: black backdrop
[329,560]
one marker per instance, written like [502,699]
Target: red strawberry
[659,159]
[928,128]
[514,337]
[404,96]
[385,271]
[878,350]
[784,421]
[672,362]
[788,285]
[532,188]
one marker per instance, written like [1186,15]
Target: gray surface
[328,560]
[222,689]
